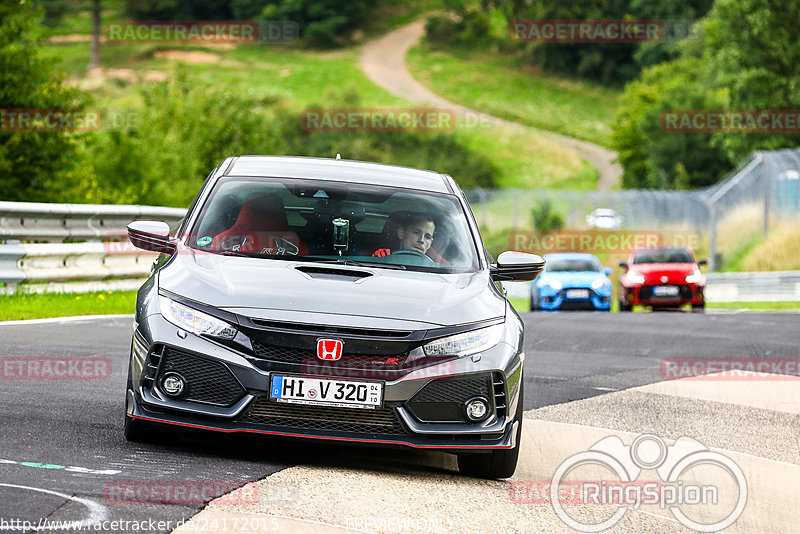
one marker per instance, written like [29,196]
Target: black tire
[625,307]
[699,307]
[496,464]
[535,302]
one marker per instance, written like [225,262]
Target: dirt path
[383,61]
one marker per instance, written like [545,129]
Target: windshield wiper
[396,266]
[234,253]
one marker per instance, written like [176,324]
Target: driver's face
[417,236]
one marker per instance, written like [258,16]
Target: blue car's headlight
[554,284]
[466,343]
[600,282]
[195,321]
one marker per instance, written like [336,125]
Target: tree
[743,56]
[34,165]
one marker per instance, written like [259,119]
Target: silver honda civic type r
[331,300]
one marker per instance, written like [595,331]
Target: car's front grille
[207,381]
[442,400]
[297,417]
[307,357]
[646,293]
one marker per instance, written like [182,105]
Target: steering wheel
[412,254]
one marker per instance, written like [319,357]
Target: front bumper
[237,387]
[644,295]
[551,300]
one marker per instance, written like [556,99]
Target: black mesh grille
[454,390]
[207,381]
[442,400]
[280,354]
[323,418]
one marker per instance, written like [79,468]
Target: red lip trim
[286,434]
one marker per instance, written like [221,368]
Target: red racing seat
[261,228]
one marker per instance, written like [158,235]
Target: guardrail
[38,221]
[774,286]
[104,253]
[101,253]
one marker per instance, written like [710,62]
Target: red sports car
[662,278]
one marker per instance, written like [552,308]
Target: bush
[184,130]
[35,166]
[545,218]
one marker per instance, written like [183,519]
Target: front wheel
[496,464]
[699,307]
[625,307]
[535,302]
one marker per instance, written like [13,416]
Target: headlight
[555,284]
[194,320]
[636,278]
[598,283]
[695,277]
[466,343]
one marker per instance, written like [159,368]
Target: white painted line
[71,319]
[97,512]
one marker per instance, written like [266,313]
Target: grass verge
[39,306]
[506,86]
[302,79]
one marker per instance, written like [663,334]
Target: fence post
[712,235]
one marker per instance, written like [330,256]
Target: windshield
[573,265]
[667,255]
[309,220]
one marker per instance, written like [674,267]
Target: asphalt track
[61,441]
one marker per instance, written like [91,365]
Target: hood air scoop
[330,273]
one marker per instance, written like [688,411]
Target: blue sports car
[572,281]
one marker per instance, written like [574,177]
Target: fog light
[173,384]
[477,409]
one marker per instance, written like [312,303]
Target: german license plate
[577,293]
[665,291]
[324,392]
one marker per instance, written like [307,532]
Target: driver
[416,234]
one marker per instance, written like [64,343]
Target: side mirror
[623,264]
[607,271]
[151,235]
[702,262]
[516,266]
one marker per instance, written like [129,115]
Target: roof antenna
[338,156]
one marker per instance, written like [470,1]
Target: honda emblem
[329,349]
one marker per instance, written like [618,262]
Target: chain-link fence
[765,187]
